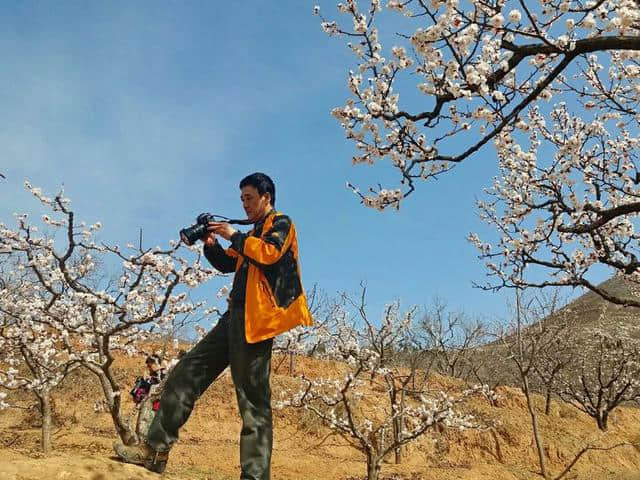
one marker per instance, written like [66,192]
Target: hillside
[208,448]
[588,307]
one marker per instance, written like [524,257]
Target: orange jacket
[274,297]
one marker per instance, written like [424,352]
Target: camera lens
[192,234]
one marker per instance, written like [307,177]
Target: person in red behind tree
[143,385]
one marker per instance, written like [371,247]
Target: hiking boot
[142,454]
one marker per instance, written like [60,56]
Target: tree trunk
[373,467]
[45,410]
[112,396]
[524,372]
[397,431]
[125,433]
[291,364]
[603,419]
[397,428]
[398,419]
[534,425]
[547,402]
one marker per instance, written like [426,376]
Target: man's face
[255,205]
[153,367]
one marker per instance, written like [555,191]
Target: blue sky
[151,112]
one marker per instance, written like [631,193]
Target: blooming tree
[92,314]
[366,359]
[303,341]
[571,213]
[554,358]
[461,346]
[602,371]
[553,84]
[522,341]
[540,337]
[453,339]
[33,353]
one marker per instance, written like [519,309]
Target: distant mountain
[586,310]
[578,316]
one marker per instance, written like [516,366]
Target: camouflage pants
[225,345]
[144,412]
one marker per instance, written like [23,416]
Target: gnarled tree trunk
[44,399]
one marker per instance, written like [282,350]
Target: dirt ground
[303,448]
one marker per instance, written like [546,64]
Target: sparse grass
[195,473]
[568,412]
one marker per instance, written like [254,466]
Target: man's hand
[210,239]
[222,228]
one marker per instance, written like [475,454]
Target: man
[266,299]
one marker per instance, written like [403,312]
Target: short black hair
[262,183]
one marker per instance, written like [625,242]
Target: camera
[198,231]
